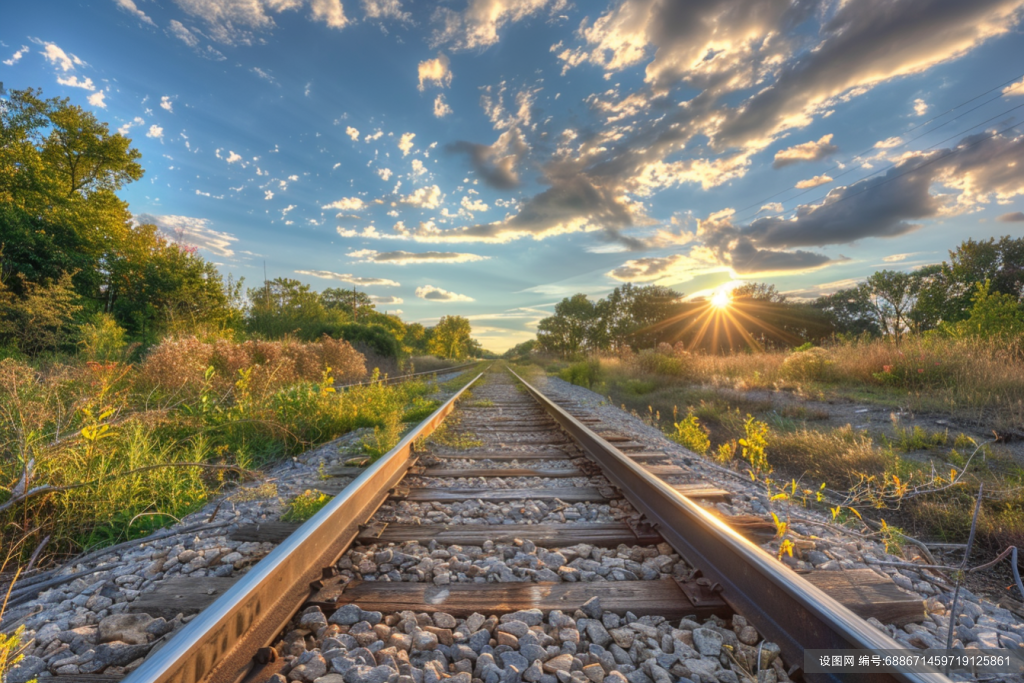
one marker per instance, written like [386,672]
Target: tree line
[74,261]
[978,290]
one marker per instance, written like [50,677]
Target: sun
[721,299]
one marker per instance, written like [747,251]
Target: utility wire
[925,123]
[894,164]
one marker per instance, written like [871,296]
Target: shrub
[180,364]
[690,433]
[583,373]
[811,364]
[102,339]
[753,445]
[651,362]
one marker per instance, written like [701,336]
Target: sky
[487,158]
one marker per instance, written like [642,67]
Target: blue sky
[486,158]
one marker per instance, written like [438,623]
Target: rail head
[218,644]
[782,605]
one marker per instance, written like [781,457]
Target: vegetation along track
[516,539]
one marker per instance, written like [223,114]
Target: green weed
[305,505]
[691,434]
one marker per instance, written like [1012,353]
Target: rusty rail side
[781,604]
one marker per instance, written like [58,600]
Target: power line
[861,154]
[929,162]
[894,164]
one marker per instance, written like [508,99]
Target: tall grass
[98,452]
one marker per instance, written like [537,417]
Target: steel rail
[782,605]
[218,645]
[402,378]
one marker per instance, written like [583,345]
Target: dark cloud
[981,166]
[498,173]
[1016,217]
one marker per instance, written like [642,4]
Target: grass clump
[421,409]
[689,433]
[584,373]
[305,505]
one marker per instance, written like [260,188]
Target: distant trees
[451,338]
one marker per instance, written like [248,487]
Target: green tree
[451,338]
[948,291]
[284,306]
[637,315]
[993,314]
[572,329]
[357,305]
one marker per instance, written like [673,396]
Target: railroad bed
[522,541]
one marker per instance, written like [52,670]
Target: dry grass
[111,451]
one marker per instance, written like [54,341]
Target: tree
[948,290]
[285,306]
[416,339]
[758,291]
[450,338]
[636,316]
[849,311]
[355,304]
[572,328]
[891,295]
[993,315]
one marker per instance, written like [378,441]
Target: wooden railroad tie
[661,597]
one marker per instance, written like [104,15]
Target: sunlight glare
[720,299]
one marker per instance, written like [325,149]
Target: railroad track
[435,560]
[398,379]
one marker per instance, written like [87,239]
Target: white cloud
[352,133]
[155,132]
[441,108]
[813,182]
[130,7]
[329,12]
[178,30]
[808,151]
[1009,91]
[73,82]
[920,107]
[351,279]
[896,258]
[166,103]
[137,121]
[268,195]
[16,57]
[238,21]
[96,100]
[54,55]
[474,204]
[432,293]
[263,74]
[405,143]
[428,197]
[232,157]
[376,136]
[346,204]
[384,173]
[435,71]
[418,168]
[193,232]
[477,26]
[385,9]
[402,258]
[889,143]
